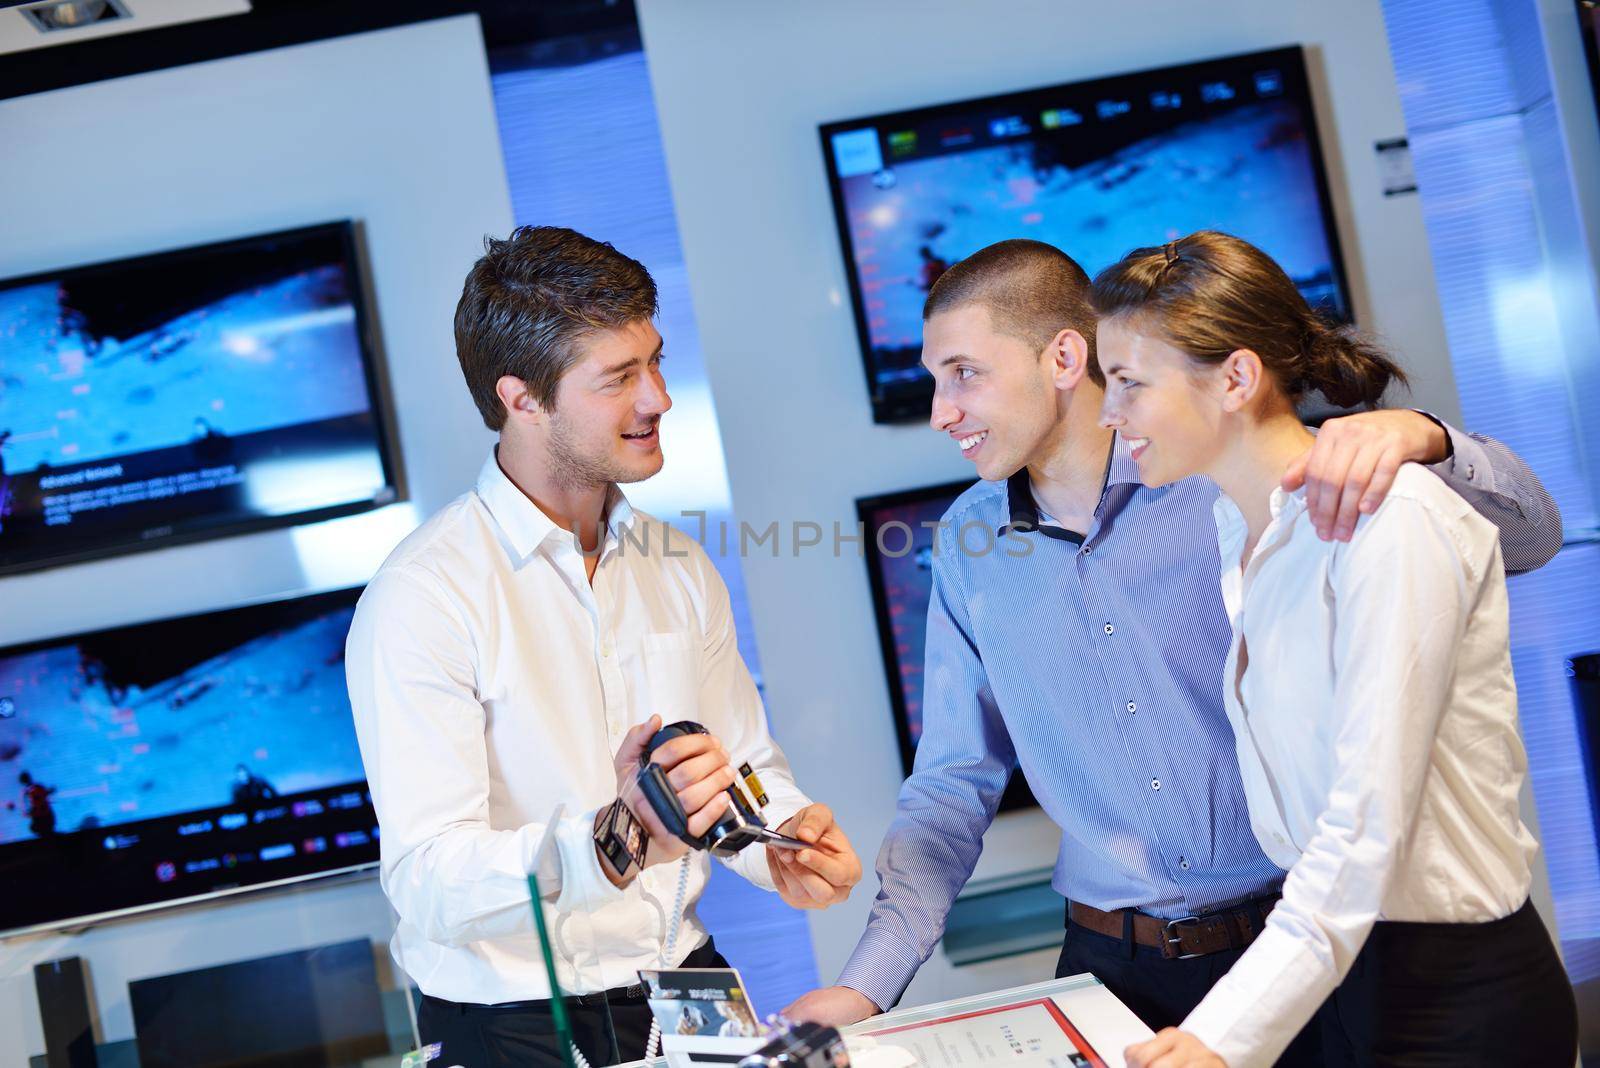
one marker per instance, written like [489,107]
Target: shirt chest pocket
[664,672]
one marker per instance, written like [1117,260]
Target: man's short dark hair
[528,301]
[1032,290]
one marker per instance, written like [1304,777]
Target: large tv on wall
[185,395]
[1095,168]
[1589,30]
[900,568]
[167,761]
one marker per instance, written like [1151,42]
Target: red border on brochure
[1066,1025]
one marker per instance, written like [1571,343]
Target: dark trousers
[1457,994]
[1419,994]
[523,1033]
[1161,992]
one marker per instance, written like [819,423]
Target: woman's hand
[1172,1048]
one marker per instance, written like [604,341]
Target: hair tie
[1171,250]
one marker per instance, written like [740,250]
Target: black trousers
[523,1033]
[1161,992]
[1418,995]
[1457,994]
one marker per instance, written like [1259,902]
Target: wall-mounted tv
[167,761]
[1095,168]
[900,567]
[186,395]
[1589,30]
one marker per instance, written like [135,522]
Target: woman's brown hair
[1211,294]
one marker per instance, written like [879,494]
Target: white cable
[652,1044]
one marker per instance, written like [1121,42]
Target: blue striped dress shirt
[1095,664]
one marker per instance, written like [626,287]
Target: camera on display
[740,826]
[804,1045]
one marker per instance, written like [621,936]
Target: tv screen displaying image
[185,395]
[165,761]
[1095,168]
[900,567]
[1589,30]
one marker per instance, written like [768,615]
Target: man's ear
[1068,354]
[519,401]
[1241,377]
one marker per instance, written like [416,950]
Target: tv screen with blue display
[186,395]
[1095,168]
[165,761]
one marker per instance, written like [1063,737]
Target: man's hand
[822,875]
[698,770]
[834,1006]
[1172,1048]
[1349,470]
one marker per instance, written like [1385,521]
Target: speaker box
[64,1010]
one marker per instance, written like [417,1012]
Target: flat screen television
[168,761]
[1589,30]
[186,395]
[1095,168]
[900,568]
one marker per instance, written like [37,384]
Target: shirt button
[1132,707]
[1155,784]
[1088,549]
[1183,862]
[1471,470]
[1110,629]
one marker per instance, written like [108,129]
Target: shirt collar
[524,523]
[1024,510]
[1232,529]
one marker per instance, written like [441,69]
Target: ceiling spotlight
[72,14]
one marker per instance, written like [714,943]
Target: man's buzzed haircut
[1033,291]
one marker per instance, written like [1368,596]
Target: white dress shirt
[1376,727]
[491,682]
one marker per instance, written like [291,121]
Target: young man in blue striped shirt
[1095,659]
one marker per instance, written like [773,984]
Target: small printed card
[701,1001]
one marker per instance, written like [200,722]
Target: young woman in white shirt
[1369,686]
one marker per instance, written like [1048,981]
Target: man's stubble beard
[572,470]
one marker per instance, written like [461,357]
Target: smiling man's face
[995,395]
[605,425]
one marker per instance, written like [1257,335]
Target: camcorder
[740,826]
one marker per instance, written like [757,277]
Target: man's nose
[944,415]
[654,400]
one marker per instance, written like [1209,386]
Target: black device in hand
[740,826]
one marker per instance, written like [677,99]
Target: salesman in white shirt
[516,653]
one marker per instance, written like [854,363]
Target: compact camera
[740,826]
[805,1045]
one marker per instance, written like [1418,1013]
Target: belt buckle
[1178,939]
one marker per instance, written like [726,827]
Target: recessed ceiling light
[72,14]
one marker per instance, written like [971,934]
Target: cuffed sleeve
[1504,490]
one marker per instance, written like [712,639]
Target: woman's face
[1167,407]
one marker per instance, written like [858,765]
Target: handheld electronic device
[740,826]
